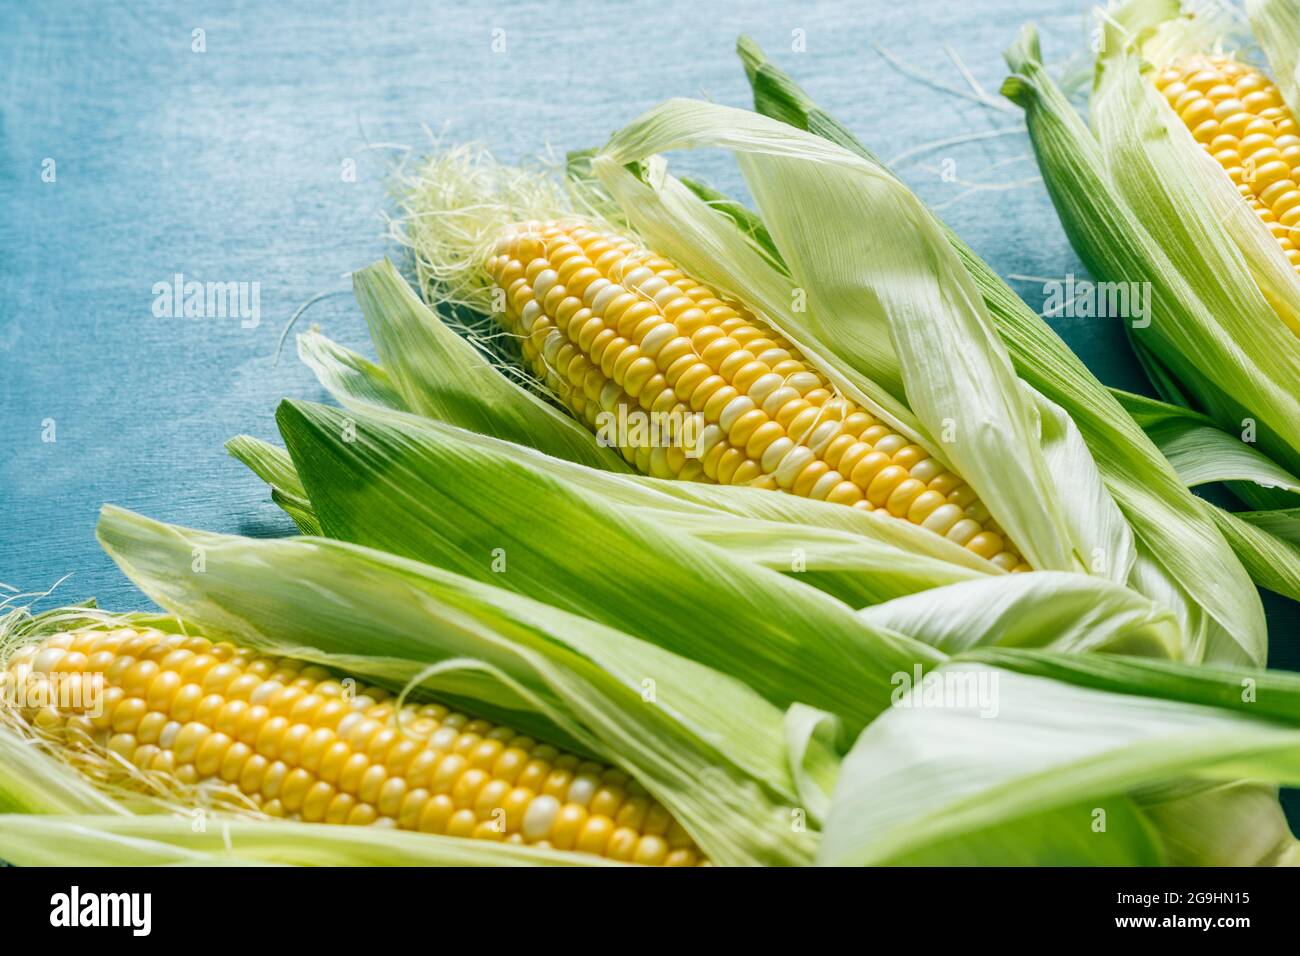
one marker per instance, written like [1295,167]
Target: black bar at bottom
[229,904]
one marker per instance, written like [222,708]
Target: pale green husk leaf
[923,774]
[155,840]
[1064,612]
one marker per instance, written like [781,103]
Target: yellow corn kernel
[363,762]
[1238,115]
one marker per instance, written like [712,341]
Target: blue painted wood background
[227,164]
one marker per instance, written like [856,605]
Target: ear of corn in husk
[796,436]
[1186,180]
[609,327]
[704,747]
[850,333]
[293,741]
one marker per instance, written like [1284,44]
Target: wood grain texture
[226,165]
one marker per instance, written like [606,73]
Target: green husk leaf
[459,506]
[1237,824]
[807,519]
[1266,541]
[1269,547]
[1064,612]
[1057,837]
[777,95]
[274,466]
[1268,694]
[1206,454]
[269,463]
[351,378]
[1098,530]
[1200,451]
[856,571]
[1162,380]
[811,736]
[441,375]
[299,510]
[744,220]
[31,782]
[156,840]
[1283,523]
[923,775]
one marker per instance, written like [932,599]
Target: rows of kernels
[607,325]
[294,743]
[1239,117]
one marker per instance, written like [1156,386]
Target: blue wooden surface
[227,164]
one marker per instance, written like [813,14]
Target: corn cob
[290,741]
[608,326]
[1236,113]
